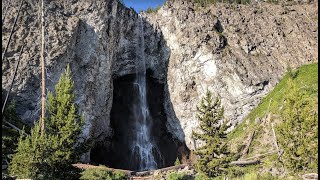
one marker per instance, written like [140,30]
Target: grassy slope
[307,79]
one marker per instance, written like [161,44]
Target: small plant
[292,73]
[178,176]
[99,173]
[10,136]
[153,10]
[177,162]
[201,176]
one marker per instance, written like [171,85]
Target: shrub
[10,136]
[178,176]
[29,159]
[177,162]
[298,132]
[153,10]
[99,173]
[201,176]
[209,2]
[292,73]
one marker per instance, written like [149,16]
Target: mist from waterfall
[143,147]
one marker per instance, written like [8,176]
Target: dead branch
[276,144]
[12,81]
[259,156]
[244,163]
[246,149]
[143,173]
[88,166]
[14,127]
[310,176]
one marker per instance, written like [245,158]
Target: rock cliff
[99,39]
[239,52]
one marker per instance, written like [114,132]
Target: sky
[143,4]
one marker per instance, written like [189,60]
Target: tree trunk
[42,69]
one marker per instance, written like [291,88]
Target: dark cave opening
[117,152]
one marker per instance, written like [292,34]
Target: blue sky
[143,4]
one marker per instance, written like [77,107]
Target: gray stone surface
[238,52]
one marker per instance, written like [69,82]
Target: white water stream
[143,147]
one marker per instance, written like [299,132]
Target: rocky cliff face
[238,52]
[99,39]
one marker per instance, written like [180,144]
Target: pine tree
[213,155]
[50,155]
[298,132]
[29,160]
[177,162]
[64,125]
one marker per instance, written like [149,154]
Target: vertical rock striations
[239,52]
[97,38]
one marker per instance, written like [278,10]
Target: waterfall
[143,147]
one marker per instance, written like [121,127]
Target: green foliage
[214,155]
[306,82]
[273,1]
[255,176]
[63,123]
[177,162]
[306,78]
[30,156]
[291,73]
[201,176]
[153,10]
[205,3]
[99,173]
[178,176]
[50,155]
[298,134]
[10,136]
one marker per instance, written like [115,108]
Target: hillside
[268,112]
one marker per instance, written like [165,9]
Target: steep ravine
[239,52]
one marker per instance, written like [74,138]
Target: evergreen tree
[50,155]
[177,162]
[213,155]
[28,162]
[298,132]
[64,125]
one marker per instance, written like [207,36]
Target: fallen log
[276,143]
[88,166]
[310,176]
[128,172]
[259,156]
[244,163]
[246,149]
[145,173]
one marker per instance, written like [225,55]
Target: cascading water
[143,147]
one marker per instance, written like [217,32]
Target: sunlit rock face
[238,52]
